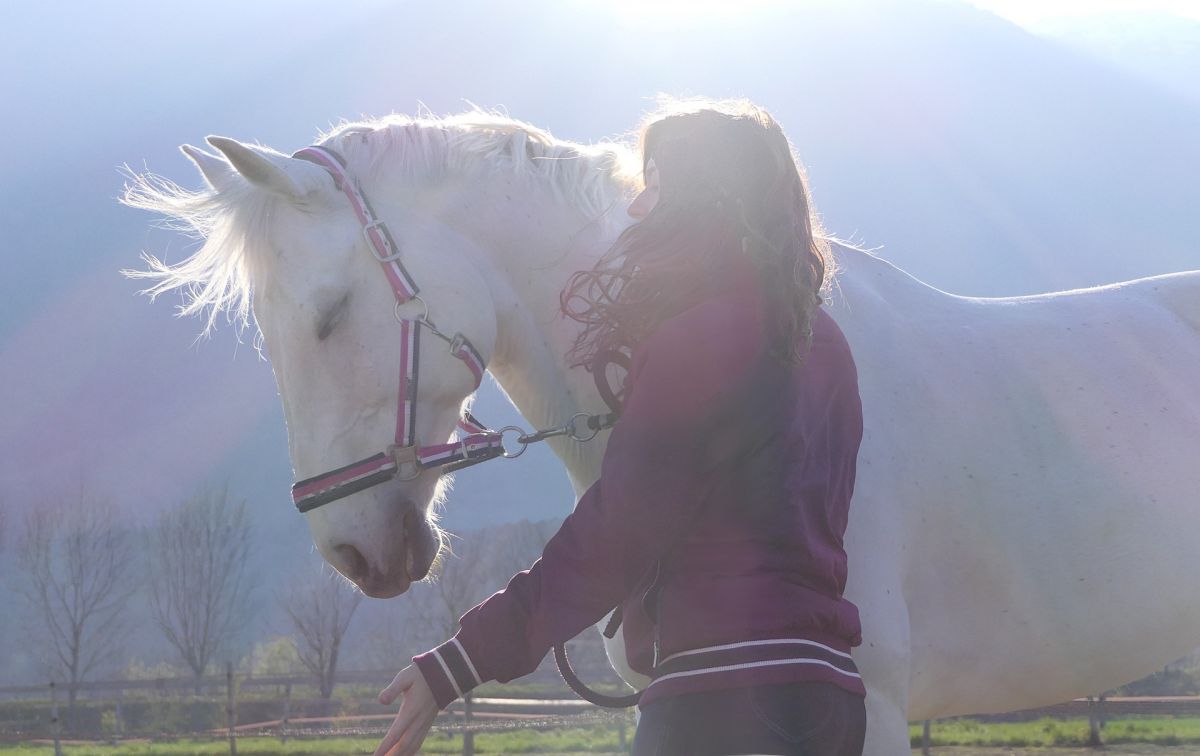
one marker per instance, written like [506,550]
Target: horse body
[1029,465]
[1027,484]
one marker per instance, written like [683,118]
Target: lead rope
[614,400]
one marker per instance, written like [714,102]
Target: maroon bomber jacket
[716,523]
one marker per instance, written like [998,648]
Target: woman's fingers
[394,733]
[400,683]
[407,733]
[414,736]
[416,715]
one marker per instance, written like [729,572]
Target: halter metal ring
[424,305]
[573,425]
[524,444]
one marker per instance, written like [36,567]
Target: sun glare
[1031,12]
[688,12]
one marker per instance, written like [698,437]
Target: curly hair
[731,187]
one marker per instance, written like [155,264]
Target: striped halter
[403,458]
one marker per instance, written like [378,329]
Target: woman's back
[760,556]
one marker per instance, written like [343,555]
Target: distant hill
[982,158]
[1162,48]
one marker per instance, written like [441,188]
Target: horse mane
[231,224]
[426,148]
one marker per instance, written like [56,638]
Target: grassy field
[559,742]
[596,740]
[1147,735]
[1042,733]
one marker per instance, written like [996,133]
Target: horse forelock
[231,226]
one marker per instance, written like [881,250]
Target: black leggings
[791,719]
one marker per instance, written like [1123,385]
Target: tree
[482,562]
[464,578]
[385,640]
[320,609]
[200,575]
[273,657]
[77,568]
[515,546]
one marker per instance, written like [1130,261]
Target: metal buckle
[378,226]
[405,455]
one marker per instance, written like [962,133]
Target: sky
[1029,13]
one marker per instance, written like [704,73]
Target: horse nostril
[354,564]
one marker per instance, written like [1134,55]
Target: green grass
[246,747]
[1060,732]
[1166,731]
[598,739]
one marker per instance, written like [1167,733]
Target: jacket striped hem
[448,671]
[751,663]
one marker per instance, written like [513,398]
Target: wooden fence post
[468,735]
[54,718]
[118,725]
[229,711]
[1095,721]
[287,711]
[925,738]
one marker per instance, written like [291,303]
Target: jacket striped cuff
[449,672]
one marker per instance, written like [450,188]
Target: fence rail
[285,716]
[107,709]
[207,681]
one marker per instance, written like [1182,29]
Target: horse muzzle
[396,565]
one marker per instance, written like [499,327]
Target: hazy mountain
[1162,48]
[984,159]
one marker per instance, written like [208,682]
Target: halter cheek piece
[403,458]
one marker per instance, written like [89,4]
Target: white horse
[1028,491]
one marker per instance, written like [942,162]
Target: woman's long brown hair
[730,187]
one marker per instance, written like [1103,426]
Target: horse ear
[257,168]
[217,173]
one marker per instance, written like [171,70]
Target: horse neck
[535,242]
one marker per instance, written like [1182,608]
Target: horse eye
[331,317]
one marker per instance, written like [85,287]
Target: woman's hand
[415,717]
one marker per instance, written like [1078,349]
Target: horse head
[286,243]
[290,241]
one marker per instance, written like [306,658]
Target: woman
[716,525]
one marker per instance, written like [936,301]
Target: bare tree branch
[77,565]
[200,577]
[320,608]
[386,640]
[481,563]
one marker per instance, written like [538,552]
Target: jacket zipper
[656,615]
[657,639]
